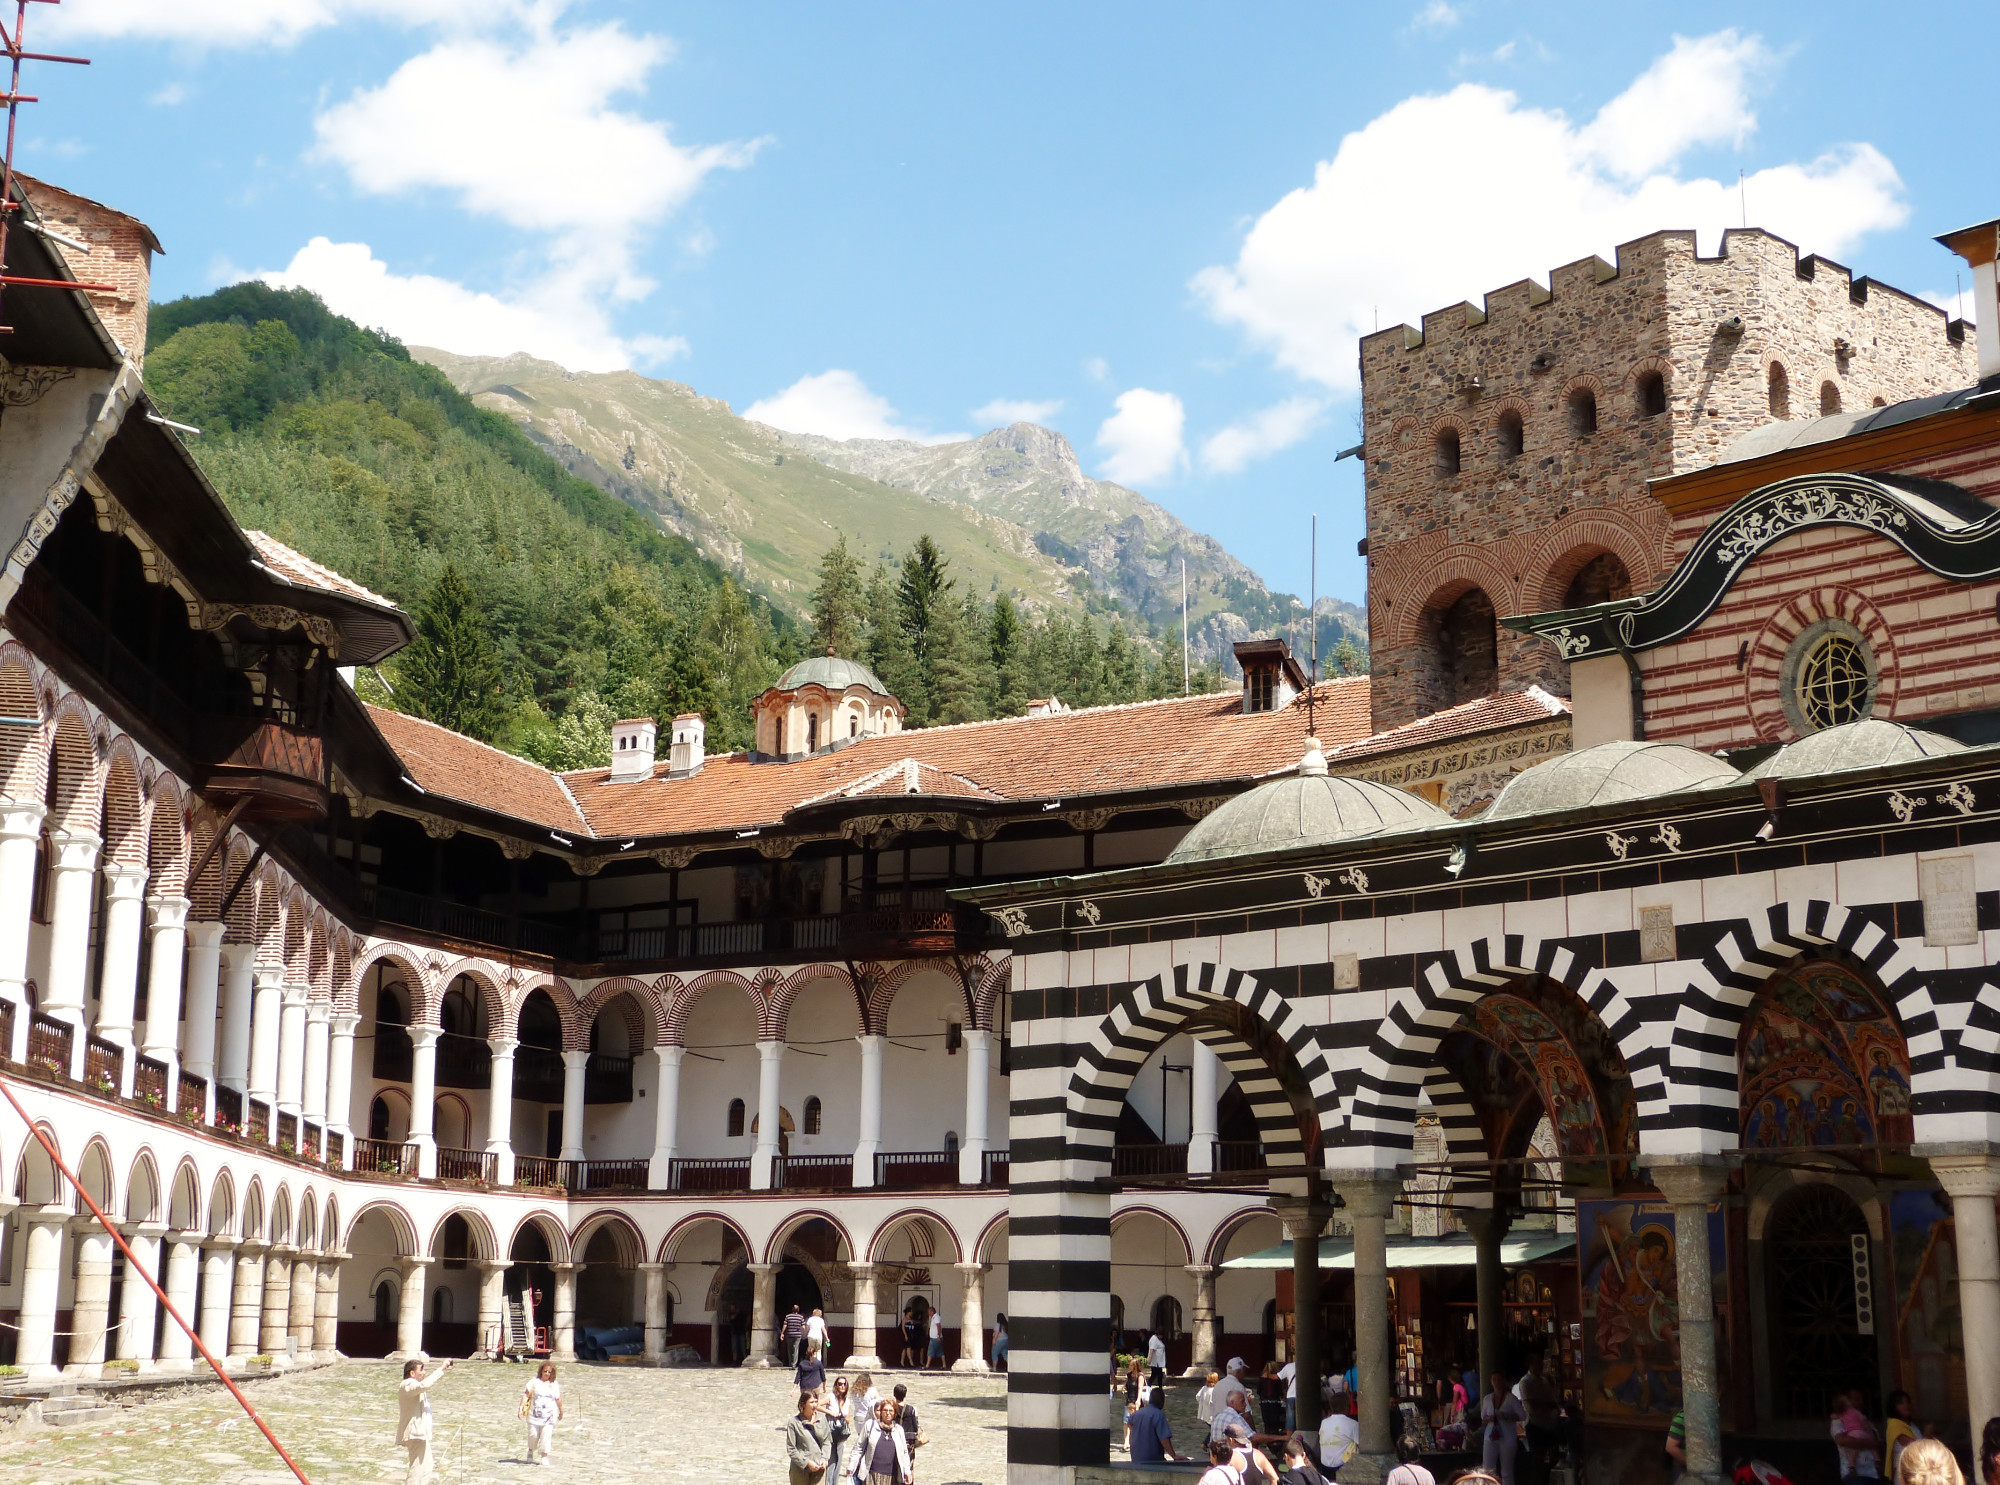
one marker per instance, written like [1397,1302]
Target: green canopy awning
[1413,1252]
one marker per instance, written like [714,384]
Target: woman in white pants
[1501,1414]
[541,1405]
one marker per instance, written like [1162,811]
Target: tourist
[1135,1381]
[1224,1416]
[912,1328]
[1854,1438]
[1156,1358]
[1499,1414]
[1220,1471]
[1271,1400]
[906,1419]
[816,1332]
[1899,1428]
[881,1453]
[810,1375]
[937,1340]
[1232,1381]
[792,1334]
[1149,1438]
[1204,1398]
[1676,1447]
[808,1437]
[542,1406]
[1538,1399]
[1928,1462]
[1989,1453]
[1299,1467]
[413,1430]
[1000,1342]
[1339,1437]
[1409,1470]
[839,1412]
[864,1403]
[1289,1375]
[1246,1456]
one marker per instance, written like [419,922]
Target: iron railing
[149,1080]
[731,1174]
[815,1172]
[50,1042]
[384,1158]
[481,1166]
[909,1170]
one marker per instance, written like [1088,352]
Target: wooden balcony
[50,1042]
[149,1081]
[815,1172]
[916,1170]
[476,1166]
[103,1061]
[541,1172]
[1149,1160]
[278,768]
[385,1159]
[711,1175]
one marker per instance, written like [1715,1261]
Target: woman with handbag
[840,1419]
[881,1454]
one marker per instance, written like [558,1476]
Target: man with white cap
[1228,1407]
[1232,1382]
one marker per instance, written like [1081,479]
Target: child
[541,1405]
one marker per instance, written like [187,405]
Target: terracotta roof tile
[299,568]
[445,763]
[1468,718]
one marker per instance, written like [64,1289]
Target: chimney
[632,749]
[1046,706]
[686,752]
[120,253]
[1980,246]
[1271,677]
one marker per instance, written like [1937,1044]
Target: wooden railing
[6,1028]
[996,1168]
[149,1080]
[815,1172]
[257,1128]
[312,1141]
[463,1061]
[192,1101]
[731,1174]
[50,1042]
[384,1158]
[908,1170]
[228,1108]
[469,924]
[1149,1160]
[542,1171]
[467,1165]
[610,1175]
[1239,1155]
[288,1132]
[538,1075]
[607,1079]
[103,1061]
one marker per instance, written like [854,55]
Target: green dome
[832,672]
[1311,808]
[1865,744]
[1606,774]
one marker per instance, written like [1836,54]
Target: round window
[1828,677]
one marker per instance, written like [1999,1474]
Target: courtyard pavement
[662,1427]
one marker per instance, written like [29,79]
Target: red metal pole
[132,1263]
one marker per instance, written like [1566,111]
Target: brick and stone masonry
[121,254]
[1509,447]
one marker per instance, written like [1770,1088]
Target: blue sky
[1156,228]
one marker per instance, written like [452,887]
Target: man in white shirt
[816,1330]
[1232,1382]
[1156,1363]
[937,1339]
[1339,1437]
[1289,1375]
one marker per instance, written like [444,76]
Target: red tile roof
[1468,718]
[297,567]
[453,766]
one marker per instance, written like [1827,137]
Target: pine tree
[451,673]
[1005,651]
[889,654]
[923,598]
[838,603]
[954,686]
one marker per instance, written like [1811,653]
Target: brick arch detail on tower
[1562,550]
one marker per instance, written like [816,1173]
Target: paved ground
[624,1423]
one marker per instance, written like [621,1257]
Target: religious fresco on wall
[1930,1340]
[1571,1062]
[1631,1308]
[1823,1064]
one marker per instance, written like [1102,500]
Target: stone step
[73,1412]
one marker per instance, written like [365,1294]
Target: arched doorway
[1817,1346]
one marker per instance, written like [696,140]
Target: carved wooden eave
[1444,760]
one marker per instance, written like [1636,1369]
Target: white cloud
[420,309]
[1380,230]
[172,94]
[837,404]
[1261,434]
[1002,410]
[1435,17]
[1143,437]
[1097,368]
[1956,302]
[275,22]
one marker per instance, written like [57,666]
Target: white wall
[721,1064]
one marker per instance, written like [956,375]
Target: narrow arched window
[854,725]
[812,733]
[735,1117]
[951,1142]
[1512,439]
[1781,391]
[385,1303]
[1652,394]
[1582,412]
[1447,454]
[378,1119]
[812,1116]
[1829,398]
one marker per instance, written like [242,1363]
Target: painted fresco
[1545,1055]
[1823,1064]
[1631,1308]
[1930,1341]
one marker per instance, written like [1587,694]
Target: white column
[118,982]
[138,1306]
[340,1074]
[1203,1360]
[326,1306]
[575,1061]
[266,1010]
[276,1323]
[972,1147]
[864,1317]
[500,1110]
[204,998]
[1973,1181]
[291,1084]
[183,1272]
[166,922]
[90,1311]
[20,834]
[971,1317]
[562,1342]
[656,1310]
[492,1305]
[764,1158]
[239,980]
[72,870]
[763,1315]
[218,1285]
[1202,1078]
[41,1277]
[423,1097]
[410,1311]
[666,1118]
[246,1298]
[318,1031]
[870,1143]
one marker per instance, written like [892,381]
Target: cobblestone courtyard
[624,1423]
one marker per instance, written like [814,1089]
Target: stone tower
[1509,447]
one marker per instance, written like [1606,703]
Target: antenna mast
[1312,614]
[1187,684]
[12,47]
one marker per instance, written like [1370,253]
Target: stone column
[41,1277]
[340,1076]
[291,1085]
[204,999]
[305,1299]
[656,1309]
[246,1308]
[118,976]
[239,992]
[138,1306]
[312,1104]
[971,1318]
[326,1306]
[492,1305]
[978,1070]
[666,1119]
[575,1062]
[266,1009]
[500,1110]
[423,1097]
[20,840]
[166,923]
[1368,1204]
[410,1308]
[865,1324]
[870,1142]
[1203,1328]
[1304,1221]
[563,1340]
[1202,1079]
[183,1275]
[90,1311]
[218,1284]
[763,1314]
[72,872]
[1973,1181]
[1488,1226]
[276,1323]
[1692,1188]
[764,1158]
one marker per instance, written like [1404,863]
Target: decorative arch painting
[1823,1064]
